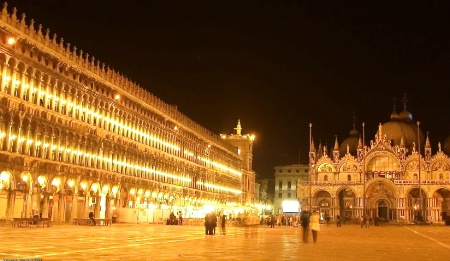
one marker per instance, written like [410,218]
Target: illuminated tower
[244,145]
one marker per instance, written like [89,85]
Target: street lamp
[364,170]
[310,171]
[420,190]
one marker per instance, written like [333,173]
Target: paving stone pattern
[162,242]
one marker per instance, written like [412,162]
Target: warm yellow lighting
[94,187]
[41,180]
[140,191]
[56,182]
[83,185]
[11,41]
[25,178]
[147,193]
[117,96]
[132,191]
[115,189]
[105,189]
[209,185]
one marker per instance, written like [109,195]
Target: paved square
[161,242]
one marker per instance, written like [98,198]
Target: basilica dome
[446,146]
[352,142]
[401,125]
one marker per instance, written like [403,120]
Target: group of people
[281,220]
[308,222]
[173,219]
[211,220]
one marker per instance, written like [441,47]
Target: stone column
[45,207]
[62,208]
[87,208]
[97,213]
[74,212]
[11,202]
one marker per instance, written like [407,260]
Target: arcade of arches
[77,136]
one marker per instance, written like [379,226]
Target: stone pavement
[161,242]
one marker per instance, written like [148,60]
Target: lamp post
[310,174]
[364,170]
[420,189]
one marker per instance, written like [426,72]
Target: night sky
[275,65]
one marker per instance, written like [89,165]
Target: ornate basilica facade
[77,136]
[396,177]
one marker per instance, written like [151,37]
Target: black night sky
[275,65]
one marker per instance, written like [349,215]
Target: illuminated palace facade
[396,177]
[76,136]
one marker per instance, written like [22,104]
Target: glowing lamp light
[94,187]
[41,180]
[11,41]
[4,176]
[140,191]
[56,182]
[132,191]
[71,183]
[105,189]
[147,193]
[117,96]
[115,189]
[83,186]
[25,178]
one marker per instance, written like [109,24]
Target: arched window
[349,177]
[441,176]
[325,178]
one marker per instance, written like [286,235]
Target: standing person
[304,219]
[213,223]
[223,223]
[207,224]
[315,225]
[180,218]
[338,221]
[172,218]
[91,217]
[367,221]
[362,221]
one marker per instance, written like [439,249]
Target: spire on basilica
[427,142]
[238,128]
[336,145]
[402,142]
[336,151]
[427,149]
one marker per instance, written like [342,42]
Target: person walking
[338,221]
[223,223]
[315,225]
[304,219]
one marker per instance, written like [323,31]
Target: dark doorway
[382,210]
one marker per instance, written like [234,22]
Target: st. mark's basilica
[394,177]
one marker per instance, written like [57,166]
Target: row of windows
[280,184]
[288,195]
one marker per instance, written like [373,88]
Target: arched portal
[416,204]
[324,205]
[346,203]
[383,209]
[439,209]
